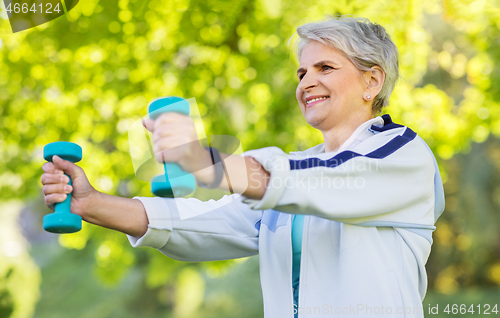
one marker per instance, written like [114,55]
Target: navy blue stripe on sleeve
[380,153]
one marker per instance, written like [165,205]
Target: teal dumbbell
[62,220]
[177,182]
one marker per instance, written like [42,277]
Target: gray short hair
[364,43]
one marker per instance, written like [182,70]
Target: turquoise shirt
[297,229]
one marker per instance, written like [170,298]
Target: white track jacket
[370,212]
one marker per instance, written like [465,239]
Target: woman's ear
[374,80]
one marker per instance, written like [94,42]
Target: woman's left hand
[175,140]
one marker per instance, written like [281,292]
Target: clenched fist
[175,140]
[56,187]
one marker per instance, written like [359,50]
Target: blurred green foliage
[88,75]
[19,275]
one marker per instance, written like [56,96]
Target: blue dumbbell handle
[65,206]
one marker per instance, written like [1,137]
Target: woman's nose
[308,81]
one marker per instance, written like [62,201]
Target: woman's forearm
[121,214]
[245,175]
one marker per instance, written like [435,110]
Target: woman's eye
[323,68]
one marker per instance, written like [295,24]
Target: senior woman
[343,228]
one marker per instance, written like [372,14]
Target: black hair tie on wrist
[219,168]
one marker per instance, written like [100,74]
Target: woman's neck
[338,135]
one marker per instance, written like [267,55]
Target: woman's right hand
[56,187]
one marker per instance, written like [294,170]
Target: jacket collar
[365,130]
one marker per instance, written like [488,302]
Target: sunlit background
[88,75]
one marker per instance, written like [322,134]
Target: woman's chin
[314,121]
[315,116]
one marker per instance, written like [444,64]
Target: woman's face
[331,89]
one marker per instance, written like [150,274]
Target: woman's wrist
[87,210]
[205,174]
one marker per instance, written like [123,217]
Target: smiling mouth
[315,101]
